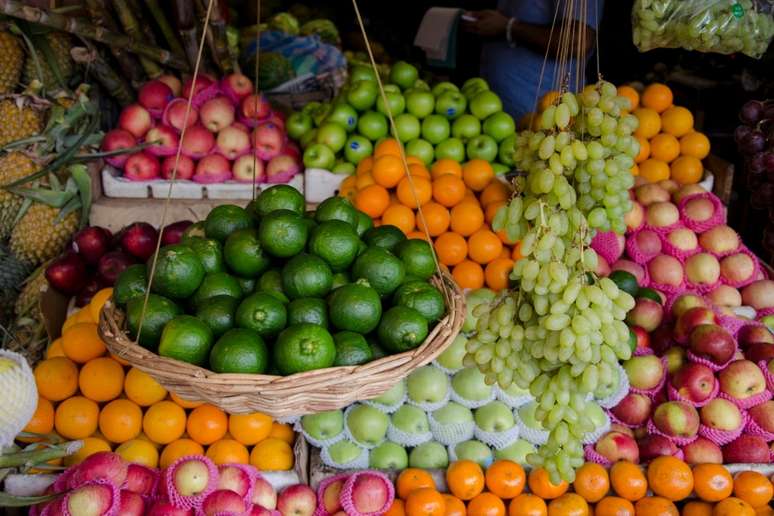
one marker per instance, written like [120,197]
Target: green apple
[421,149]
[420,103]
[388,456]
[367,425]
[393,395]
[319,155]
[408,127]
[435,129]
[372,125]
[474,450]
[298,124]
[442,87]
[453,414]
[527,415]
[392,88]
[357,148]
[411,420]
[472,299]
[474,85]
[429,455]
[465,127]
[499,126]
[450,104]
[516,452]
[310,107]
[768,320]
[361,73]
[451,358]
[403,74]
[333,135]
[500,169]
[451,148]
[485,103]
[495,416]
[395,102]
[469,385]
[419,84]
[344,168]
[363,94]
[323,425]
[506,150]
[482,147]
[319,114]
[344,452]
[427,384]
[345,115]
[308,138]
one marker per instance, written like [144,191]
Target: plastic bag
[722,26]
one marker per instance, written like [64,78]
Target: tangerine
[41,422]
[631,94]
[101,379]
[677,121]
[141,388]
[399,216]
[139,451]
[272,454]
[733,506]
[753,487]
[695,144]
[654,170]
[454,506]
[445,166]
[477,174]
[365,165]
[484,246]
[486,504]
[411,479]
[712,482]
[655,506]
[76,418]
[388,170]
[55,349]
[249,429]
[664,147]
[657,97]
[527,504]
[694,508]
[650,123]
[496,191]
[451,248]
[540,484]
[397,508]
[497,273]
[569,504]
[687,170]
[56,378]
[98,301]
[372,200]
[283,431]
[81,342]
[425,501]
[120,420]
[164,422]
[591,482]
[644,152]
[387,147]
[465,479]
[437,218]
[628,481]
[614,506]
[466,218]
[179,448]
[414,191]
[505,479]
[670,477]
[206,424]
[448,190]
[228,451]
[468,274]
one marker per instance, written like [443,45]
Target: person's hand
[488,23]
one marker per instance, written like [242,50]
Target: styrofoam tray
[321,184]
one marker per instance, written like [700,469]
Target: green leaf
[7,500]
[47,197]
[80,174]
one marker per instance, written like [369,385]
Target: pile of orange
[670,148]
[667,487]
[85,393]
[453,203]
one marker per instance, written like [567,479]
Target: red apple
[87,292]
[154,96]
[100,466]
[631,267]
[694,382]
[167,509]
[232,142]
[185,167]
[91,243]
[615,446]
[759,294]
[702,269]
[131,504]
[331,497]
[720,240]
[223,500]
[737,268]
[621,429]
[687,191]
[283,167]
[236,86]
[201,90]
[702,451]
[197,142]
[173,233]
[643,339]
[67,273]
[141,166]
[233,479]
[91,499]
[173,82]
[268,140]
[763,415]
[712,342]
[176,112]
[115,140]
[662,214]
[683,239]
[164,141]
[725,295]
[741,380]
[758,351]
[666,270]
[654,445]
[752,333]
[248,168]
[699,209]
[370,493]
[747,449]
[135,119]
[690,319]
[648,242]
[139,240]
[645,372]
[633,410]
[647,314]
[264,494]
[675,359]
[634,218]
[217,113]
[648,194]
[721,414]
[255,107]
[297,500]
[212,169]
[111,265]
[685,302]
[191,477]
[140,479]
[676,419]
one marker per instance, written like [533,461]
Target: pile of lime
[274,289]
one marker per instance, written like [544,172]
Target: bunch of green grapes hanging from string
[560,332]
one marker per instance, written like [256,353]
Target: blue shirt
[514,73]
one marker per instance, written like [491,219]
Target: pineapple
[21,118]
[11,61]
[27,334]
[60,44]
[12,274]
[13,166]
[41,233]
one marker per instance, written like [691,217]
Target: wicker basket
[283,396]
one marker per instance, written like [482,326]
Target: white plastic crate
[321,184]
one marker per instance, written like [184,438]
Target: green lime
[218,313]
[186,338]
[351,349]
[130,283]
[271,283]
[625,281]
[381,268]
[306,275]
[195,230]
[309,221]
[339,279]
[422,297]
[159,311]
[361,247]
[402,328]
[355,307]
[225,219]
[417,256]
[376,350]
[239,351]
[336,208]
[209,251]
[178,272]
[283,233]
[216,284]
[304,347]
[364,223]
[247,284]
[310,310]
[244,254]
[262,313]
[335,242]
[387,237]
[650,294]
[279,197]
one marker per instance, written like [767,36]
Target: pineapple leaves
[55,199]
[80,176]
[7,500]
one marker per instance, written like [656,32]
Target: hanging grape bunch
[561,331]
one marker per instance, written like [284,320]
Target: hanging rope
[255,84]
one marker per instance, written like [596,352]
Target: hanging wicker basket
[285,396]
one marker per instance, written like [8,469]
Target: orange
[184,402]
[120,420]
[670,477]
[272,455]
[733,506]
[228,451]
[98,301]
[454,506]
[398,508]
[644,152]
[418,235]
[540,485]
[712,482]
[348,188]
[465,479]
[655,506]
[628,481]
[591,482]
[164,422]
[614,506]
[420,194]
[505,479]
[687,170]
[411,479]
[437,218]
[517,252]
[548,99]
[484,246]
[399,216]
[283,432]
[654,170]
[372,200]
[42,420]
[413,160]
[249,429]
[569,504]
[486,504]
[491,209]
[468,274]
[387,147]
[764,511]
[81,343]
[694,508]
[101,379]
[206,424]
[364,180]
[365,165]
[448,190]
[466,218]
[635,170]
[695,144]
[388,171]
[142,389]
[477,174]
[664,147]
[631,94]
[650,123]
[497,273]
[527,504]
[91,445]
[753,487]
[70,321]
[445,166]
[118,359]
[425,501]
[496,191]
[179,448]
[84,316]
[55,349]
[139,451]
[419,170]
[56,378]
[451,248]
[677,121]
[76,418]
[657,97]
